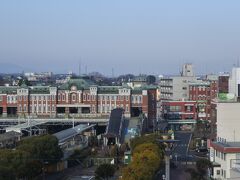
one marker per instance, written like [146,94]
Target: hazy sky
[131,36]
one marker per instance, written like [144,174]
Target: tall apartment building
[187,70]
[177,87]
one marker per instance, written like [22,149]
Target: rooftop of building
[39,89]
[64,135]
[226,147]
[115,122]
[226,98]
[80,83]
[200,83]
[108,89]
[8,89]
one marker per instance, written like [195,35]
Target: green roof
[138,90]
[8,89]
[108,89]
[79,83]
[39,90]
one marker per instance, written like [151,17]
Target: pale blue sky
[131,36]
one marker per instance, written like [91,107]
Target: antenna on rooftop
[79,67]
[113,72]
[86,69]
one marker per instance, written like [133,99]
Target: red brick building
[78,98]
[203,93]
[179,113]
[223,83]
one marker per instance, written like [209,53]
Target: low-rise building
[79,98]
[180,115]
[225,150]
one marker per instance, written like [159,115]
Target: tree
[23,82]
[150,138]
[105,171]
[150,147]
[29,157]
[43,148]
[201,169]
[151,79]
[202,165]
[18,164]
[113,151]
[145,162]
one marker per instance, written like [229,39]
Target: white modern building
[177,87]
[225,151]
[187,70]
[234,82]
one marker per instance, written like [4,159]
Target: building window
[63,97]
[84,97]
[188,108]
[126,98]
[175,108]
[73,97]
[218,172]
[53,97]
[140,99]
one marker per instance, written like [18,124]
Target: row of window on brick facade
[108,108]
[32,97]
[134,99]
[35,108]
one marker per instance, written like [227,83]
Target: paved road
[180,153]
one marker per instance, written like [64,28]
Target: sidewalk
[179,173]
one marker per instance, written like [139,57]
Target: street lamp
[170,145]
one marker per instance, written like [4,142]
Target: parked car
[201,149]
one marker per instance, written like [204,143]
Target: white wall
[234,80]
[178,84]
[228,121]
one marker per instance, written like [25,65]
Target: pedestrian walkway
[179,173]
